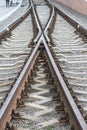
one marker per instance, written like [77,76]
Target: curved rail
[37,22]
[45,32]
[48,24]
[76,118]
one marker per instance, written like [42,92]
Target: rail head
[10,101]
[74,113]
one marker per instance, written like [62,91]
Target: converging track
[42,72]
[70,51]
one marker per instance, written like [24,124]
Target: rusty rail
[76,118]
[11,100]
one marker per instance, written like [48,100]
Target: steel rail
[41,31]
[48,24]
[75,116]
[10,102]
[80,28]
[37,22]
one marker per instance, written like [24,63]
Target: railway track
[33,93]
[13,53]
[70,51]
[38,108]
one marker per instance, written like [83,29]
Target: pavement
[80,18]
[4,12]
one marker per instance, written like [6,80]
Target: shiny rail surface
[71,56]
[40,82]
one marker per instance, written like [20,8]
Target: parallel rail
[75,116]
[10,102]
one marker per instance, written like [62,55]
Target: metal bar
[74,113]
[10,102]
